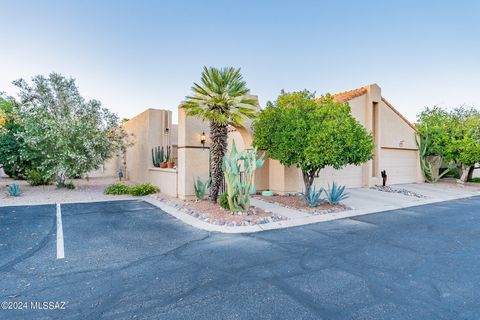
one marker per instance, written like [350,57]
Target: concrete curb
[194,222]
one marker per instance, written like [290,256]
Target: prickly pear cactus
[239,189]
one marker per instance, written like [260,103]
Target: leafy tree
[220,98]
[454,137]
[310,133]
[10,144]
[64,135]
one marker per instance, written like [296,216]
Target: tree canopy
[299,130]
[62,134]
[453,135]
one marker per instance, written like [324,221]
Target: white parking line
[60,248]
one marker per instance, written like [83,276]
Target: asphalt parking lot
[129,260]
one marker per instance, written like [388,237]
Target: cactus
[239,190]
[169,155]
[14,190]
[158,156]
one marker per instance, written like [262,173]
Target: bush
[37,178]
[138,190]
[475,180]
[224,201]
[143,189]
[117,188]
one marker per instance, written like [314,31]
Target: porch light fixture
[203,139]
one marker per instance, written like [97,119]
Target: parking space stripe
[60,248]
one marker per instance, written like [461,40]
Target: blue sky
[133,55]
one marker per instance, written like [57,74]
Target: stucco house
[395,152]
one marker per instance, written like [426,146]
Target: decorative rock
[398,190]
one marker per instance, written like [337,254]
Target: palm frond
[221,97]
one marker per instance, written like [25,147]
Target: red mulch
[298,202]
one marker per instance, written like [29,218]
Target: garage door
[401,165]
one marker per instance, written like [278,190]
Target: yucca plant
[312,196]
[14,190]
[222,99]
[336,193]
[201,188]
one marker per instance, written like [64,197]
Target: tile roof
[349,95]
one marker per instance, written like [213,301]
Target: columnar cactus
[158,156]
[238,189]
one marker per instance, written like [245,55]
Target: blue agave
[336,193]
[14,190]
[312,196]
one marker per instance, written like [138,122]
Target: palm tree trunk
[218,147]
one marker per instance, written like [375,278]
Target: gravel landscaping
[214,214]
[86,190]
[398,190]
[297,202]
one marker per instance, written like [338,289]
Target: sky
[134,55]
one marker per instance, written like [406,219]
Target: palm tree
[220,98]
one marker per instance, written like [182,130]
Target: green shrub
[476,180]
[143,189]
[224,201]
[117,188]
[38,178]
[14,190]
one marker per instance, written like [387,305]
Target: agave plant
[312,196]
[201,187]
[14,190]
[336,193]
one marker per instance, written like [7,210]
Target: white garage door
[401,165]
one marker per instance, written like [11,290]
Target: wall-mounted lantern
[203,140]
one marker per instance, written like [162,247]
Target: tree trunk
[470,173]
[465,172]
[218,147]
[308,177]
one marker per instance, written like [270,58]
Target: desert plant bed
[297,202]
[212,212]
[405,192]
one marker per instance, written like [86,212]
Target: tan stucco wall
[148,130]
[164,179]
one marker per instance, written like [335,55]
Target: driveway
[129,260]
